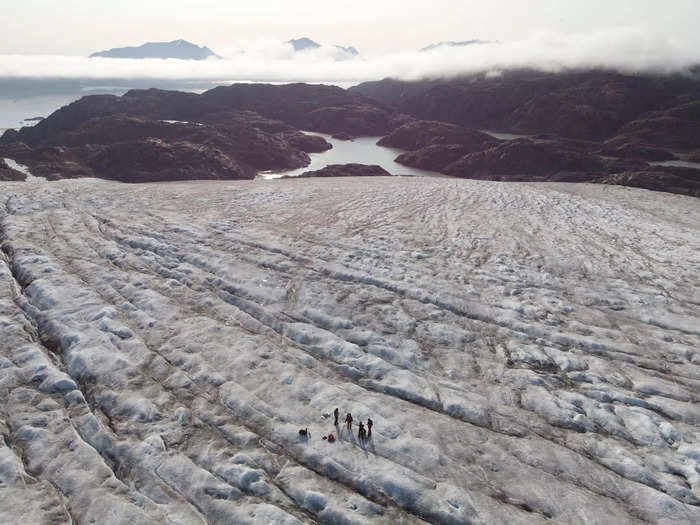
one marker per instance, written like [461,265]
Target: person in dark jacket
[361,433]
[336,412]
[369,428]
[348,420]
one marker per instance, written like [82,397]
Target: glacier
[528,352]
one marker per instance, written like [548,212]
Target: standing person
[369,428]
[348,420]
[361,432]
[336,413]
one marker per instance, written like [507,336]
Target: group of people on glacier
[364,433]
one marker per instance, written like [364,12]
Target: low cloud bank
[626,50]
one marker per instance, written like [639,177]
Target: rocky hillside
[228,132]
[580,126]
[593,105]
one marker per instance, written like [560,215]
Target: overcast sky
[79,27]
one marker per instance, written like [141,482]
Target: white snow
[529,353]
[23,169]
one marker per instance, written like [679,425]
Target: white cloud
[624,49]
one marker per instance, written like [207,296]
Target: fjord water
[677,164]
[362,150]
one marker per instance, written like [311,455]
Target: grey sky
[78,27]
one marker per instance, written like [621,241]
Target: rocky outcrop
[677,129]
[526,158]
[552,160]
[154,160]
[632,150]
[348,170]
[10,136]
[434,158]
[343,136]
[125,147]
[221,123]
[305,142]
[255,125]
[418,134]
[673,180]
[325,109]
[8,174]
[52,162]
[592,105]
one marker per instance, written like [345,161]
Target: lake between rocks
[362,150]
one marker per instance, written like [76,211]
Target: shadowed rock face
[348,170]
[420,133]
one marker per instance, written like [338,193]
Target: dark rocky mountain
[593,105]
[136,149]
[181,49]
[547,158]
[326,109]
[591,127]
[230,132]
[348,170]
[451,43]
[418,134]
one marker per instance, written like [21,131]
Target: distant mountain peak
[180,48]
[305,43]
[452,43]
[350,50]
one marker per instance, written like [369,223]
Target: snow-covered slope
[529,353]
